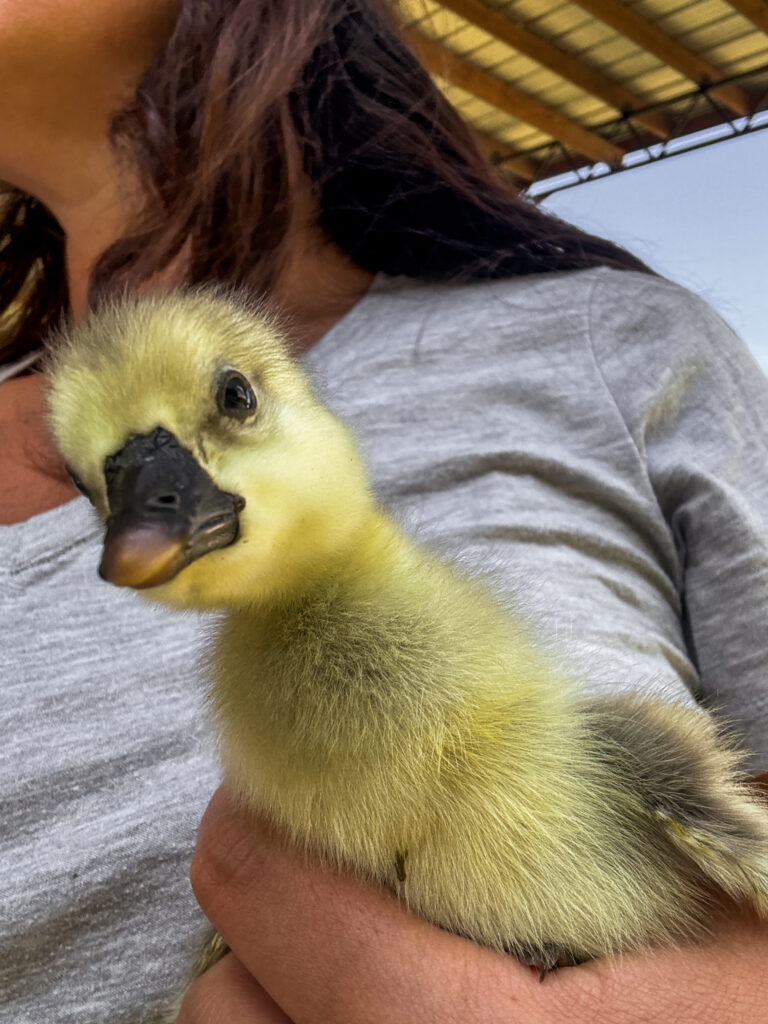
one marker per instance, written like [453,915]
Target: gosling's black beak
[165,511]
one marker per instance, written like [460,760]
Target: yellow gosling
[380,706]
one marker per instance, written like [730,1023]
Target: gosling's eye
[235,396]
[78,483]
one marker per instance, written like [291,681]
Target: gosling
[381,707]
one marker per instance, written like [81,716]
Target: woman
[526,394]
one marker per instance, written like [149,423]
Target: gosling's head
[220,478]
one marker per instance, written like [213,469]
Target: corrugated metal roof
[551,85]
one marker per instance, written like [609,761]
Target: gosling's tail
[687,776]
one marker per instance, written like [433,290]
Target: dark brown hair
[247,99]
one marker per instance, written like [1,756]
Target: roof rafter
[523,167]
[755,10]
[439,60]
[574,70]
[651,38]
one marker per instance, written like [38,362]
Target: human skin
[64,66]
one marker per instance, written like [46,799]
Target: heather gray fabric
[597,442]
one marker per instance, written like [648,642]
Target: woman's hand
[313,946]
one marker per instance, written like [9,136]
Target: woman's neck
[317,288]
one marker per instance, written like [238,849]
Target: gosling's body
[382,708]
[401,722]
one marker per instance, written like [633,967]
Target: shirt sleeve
[696,405]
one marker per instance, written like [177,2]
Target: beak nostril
[164,501]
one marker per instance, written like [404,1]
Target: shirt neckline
[46,536]
[13,369]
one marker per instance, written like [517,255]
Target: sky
[700,218]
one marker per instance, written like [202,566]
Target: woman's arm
[695,405]
[314,946]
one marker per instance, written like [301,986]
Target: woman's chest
[32,478]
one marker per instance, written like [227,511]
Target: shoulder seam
[598,367]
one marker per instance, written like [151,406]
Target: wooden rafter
[523,167]
[439,60]
[563,64]
[755,10]
[552,163]
[651,38]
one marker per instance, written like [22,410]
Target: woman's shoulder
[653,339]
[434,325]
[515,339]
[596,301]
[630,303]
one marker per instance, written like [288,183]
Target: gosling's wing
[686,775]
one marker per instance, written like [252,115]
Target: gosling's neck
[372,559]
[378,556]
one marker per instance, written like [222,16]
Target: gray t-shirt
[595,442]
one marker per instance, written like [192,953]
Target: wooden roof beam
[571,68]
[755,10]
[439,60]
[630,24]
[523,167]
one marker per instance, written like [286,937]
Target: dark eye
[235,396]
[78,483]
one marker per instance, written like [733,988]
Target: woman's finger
[229,993]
